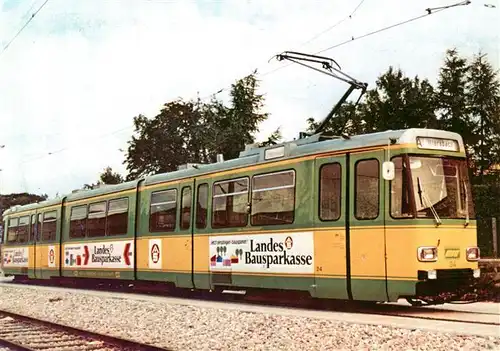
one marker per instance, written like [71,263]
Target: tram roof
[259,155]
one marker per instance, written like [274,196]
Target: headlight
[427,254]
[472,253]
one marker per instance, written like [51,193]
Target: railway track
[445,313]
[18,332]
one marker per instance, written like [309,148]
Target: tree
[175,136]
[195,132]
[7,201]
[110,177]
[484,107]
[106,177]
[452,105]
[347,120]
[236,126]
[273,139]
[396,102]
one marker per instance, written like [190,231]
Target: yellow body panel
[402,244]
[367,252]
[329,252]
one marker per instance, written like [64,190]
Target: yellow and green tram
[373,217]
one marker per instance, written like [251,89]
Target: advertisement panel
[108,254]
[264,253]
[15,257]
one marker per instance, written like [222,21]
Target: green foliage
[106,177]
[195,132]
[484,105]
[396,102]
[7,201]
[452,97]
[487,207]
[273,139]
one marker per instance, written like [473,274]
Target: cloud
[73,80]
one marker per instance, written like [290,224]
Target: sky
[72,81]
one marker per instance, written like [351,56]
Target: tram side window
[186,207]
[330,192]
[96,222]
[273,198]
[23,229]
[117,221]
[12,230]
[163,211]
[49,226]
[229,203]
[400,190]
[33,228]
[202,206]
[78,222]
[367,189]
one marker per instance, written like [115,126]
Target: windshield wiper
[466,204]
[421,194]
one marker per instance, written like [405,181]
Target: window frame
[267,174]
[92,218]
[27,227]
[212,214]
[151,204]
[356,189]
[405,160]
[9,226]
[86,206]
[44,214]
[181,208]
[207,214]
[320,192]
[126,210]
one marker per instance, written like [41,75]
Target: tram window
[400,190]
[330,192]
[78,222]
[33,229]
[117,221]
[229,203]
[201,206]
[23,229]
[273,198]
[186,207]
[367,189]
[163,211]
[12,230]
[96,222]
[39,226]
[49,226]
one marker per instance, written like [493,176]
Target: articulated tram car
[372,217]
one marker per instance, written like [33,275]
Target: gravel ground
[182,327]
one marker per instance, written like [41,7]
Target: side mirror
[388,170]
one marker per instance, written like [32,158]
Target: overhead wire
[335,25]
[429,11]
[349,16]
[24,26]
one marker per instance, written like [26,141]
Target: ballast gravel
[184,327]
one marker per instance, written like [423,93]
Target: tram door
[33,240]
[330,217]
[38,247]
[366,228]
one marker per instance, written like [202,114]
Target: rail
[18,332]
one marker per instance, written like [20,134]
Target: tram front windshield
[431,187]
